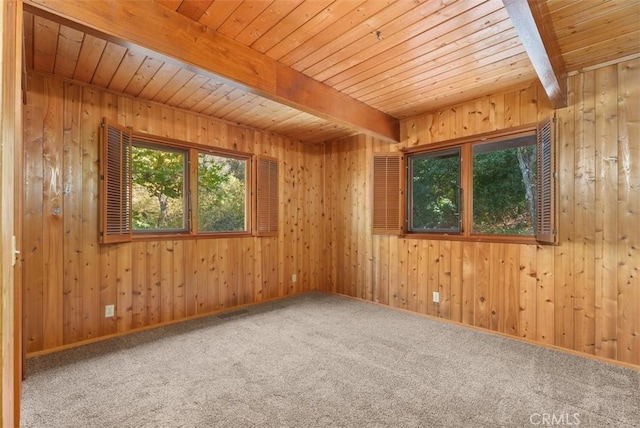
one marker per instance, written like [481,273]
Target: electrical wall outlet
[109,311]
[436,297]
[294,278]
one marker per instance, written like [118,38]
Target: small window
[159,187]
[222,193]
[434,191]
[504,187]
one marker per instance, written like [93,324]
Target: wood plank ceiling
[399,57]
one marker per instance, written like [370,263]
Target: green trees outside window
[504,187]
[435,191]
[152,187]
[222,193]
[160,183]
[158,176]
[497,184]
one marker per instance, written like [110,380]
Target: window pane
[435,192]
[158,188]
[221,193]
[504,187]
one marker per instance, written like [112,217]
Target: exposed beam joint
[540,42]
[166,33]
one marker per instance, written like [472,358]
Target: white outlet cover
[109,311]
[436,297]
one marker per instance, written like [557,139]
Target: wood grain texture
[628,236]
[70,277]
[11,121]
[581,294]
[403,58]
[531,21]
[177,37]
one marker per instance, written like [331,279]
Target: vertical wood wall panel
[606,129]
[628,236]
[585,206]
[52,206]
[72,215]
[33,220]
[582,294]
[91,114]
[70,277]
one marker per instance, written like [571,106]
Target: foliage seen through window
[435,191]
[158,176]
[221,193]
[501,193]
[504,187]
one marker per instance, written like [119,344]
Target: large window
[493,187]
[153,187]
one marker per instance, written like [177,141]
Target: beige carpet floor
[318,360]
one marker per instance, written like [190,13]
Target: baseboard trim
[498,333]
[215,313]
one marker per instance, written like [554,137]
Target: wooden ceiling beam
[539,40]
[164,32]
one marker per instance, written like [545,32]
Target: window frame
[466,147]
[470,189]
[248,205]
[410,199]
[155,145]
[253,197]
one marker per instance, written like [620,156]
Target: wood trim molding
[539,40]
[10,226]
[168,34]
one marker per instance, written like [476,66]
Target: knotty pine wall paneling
[583,294]
[70,277]
[11,143]
[627,240]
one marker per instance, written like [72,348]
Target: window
[154,187]
[222,193]
[491,187]
[159,188]
[434,191]
[504,187]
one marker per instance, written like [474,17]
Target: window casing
[160,183]
[497,187]
[153,187]
[222,193]
[503,191]
[435,191]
